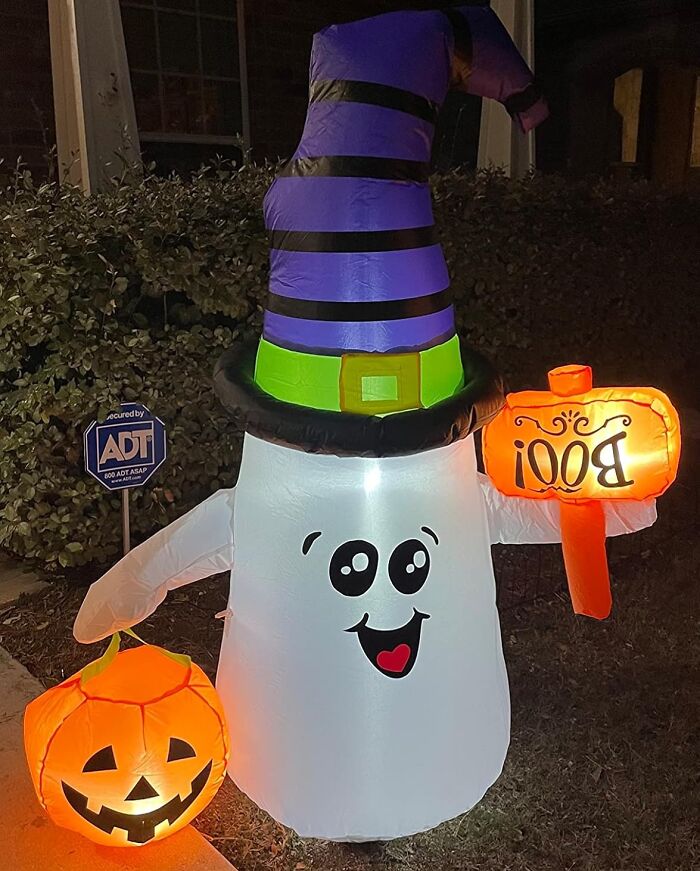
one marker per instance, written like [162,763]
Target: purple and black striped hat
[359,319]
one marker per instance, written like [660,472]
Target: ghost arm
[195,546]
[513,520]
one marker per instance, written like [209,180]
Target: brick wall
[26,101]
[279,34]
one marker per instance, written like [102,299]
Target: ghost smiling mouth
[391,651]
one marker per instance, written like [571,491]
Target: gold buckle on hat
[379,383]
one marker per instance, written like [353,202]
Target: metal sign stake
[126,536]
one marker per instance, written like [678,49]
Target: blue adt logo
[126,448]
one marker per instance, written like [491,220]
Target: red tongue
[394,660]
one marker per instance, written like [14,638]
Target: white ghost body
[322,738]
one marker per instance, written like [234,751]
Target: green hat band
[372,384]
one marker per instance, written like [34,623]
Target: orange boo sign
[582,445]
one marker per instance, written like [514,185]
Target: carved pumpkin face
[133,754]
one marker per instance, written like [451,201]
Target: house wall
[579,51]
[581,48]
[26,99]
[279,34]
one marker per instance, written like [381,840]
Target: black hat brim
[348,434]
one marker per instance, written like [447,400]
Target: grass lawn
[602,773]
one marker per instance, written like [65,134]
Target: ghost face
[352,572]
[362,660]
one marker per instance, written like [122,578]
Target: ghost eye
[180,749]
[353,567]
[409,565]
[103,760]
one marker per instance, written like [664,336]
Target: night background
[620,75]
[133,292]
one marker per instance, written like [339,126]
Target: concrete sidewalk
[31,842]
[16,579]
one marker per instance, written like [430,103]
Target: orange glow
[130,754]
[581,444]
[602,443]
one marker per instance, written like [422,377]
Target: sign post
[124,451]
[582,445]
[126,532]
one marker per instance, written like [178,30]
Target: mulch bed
[602,773]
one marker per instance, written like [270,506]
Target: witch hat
[359,352]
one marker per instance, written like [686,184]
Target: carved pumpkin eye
[180,749]
[103,760]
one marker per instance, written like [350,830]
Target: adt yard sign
[126,448]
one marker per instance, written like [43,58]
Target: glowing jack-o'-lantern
[130,749]
[583,445]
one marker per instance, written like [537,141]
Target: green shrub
[126,295]
[132,295]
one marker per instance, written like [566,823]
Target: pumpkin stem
[97,666]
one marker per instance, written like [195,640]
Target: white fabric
[515,520]
[195,546]
[323,739]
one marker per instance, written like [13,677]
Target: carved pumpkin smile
[140,828]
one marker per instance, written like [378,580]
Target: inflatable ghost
[361,665]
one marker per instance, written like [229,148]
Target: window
[183,57]
[627,101]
